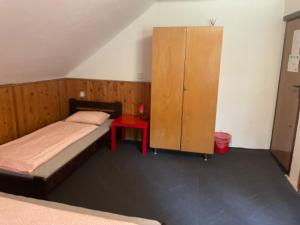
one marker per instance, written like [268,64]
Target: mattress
[106,215]
[70,152]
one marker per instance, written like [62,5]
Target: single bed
[52,213]
[48,175]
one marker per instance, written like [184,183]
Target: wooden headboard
[112,108]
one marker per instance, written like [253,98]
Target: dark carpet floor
[243,187]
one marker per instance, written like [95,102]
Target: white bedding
[15,216]
[27,153]
[70,152]
[16,212]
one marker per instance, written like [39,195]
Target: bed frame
[39,187]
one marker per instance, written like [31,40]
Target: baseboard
[247,149]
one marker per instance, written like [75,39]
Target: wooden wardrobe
[184,89]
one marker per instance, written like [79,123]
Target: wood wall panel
[64,99]
[8,126]
[74,86]
[37,105]
[131,94]
[27,107]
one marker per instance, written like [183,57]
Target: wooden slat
[8,126]
[168,56]
[64,99]
[202,68]
[37,105]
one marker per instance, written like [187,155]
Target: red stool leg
[113,138]
[123,133]
[145,140]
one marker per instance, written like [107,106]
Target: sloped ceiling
[46,39]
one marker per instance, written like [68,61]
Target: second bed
[38,182]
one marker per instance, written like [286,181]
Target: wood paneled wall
[30,106]
[8,126]
[37,105]
[131,94]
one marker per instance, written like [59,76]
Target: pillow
[88,117]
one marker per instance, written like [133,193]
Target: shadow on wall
[144,59]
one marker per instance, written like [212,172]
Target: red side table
[127,121]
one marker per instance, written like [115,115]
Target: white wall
[252,50]
[291,6]
[46,39]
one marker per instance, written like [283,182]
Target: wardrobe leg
[206,157]
[155,151]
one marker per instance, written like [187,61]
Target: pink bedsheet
[29,152]
[14,212]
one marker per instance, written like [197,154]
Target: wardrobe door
[202,67]
[167,87]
